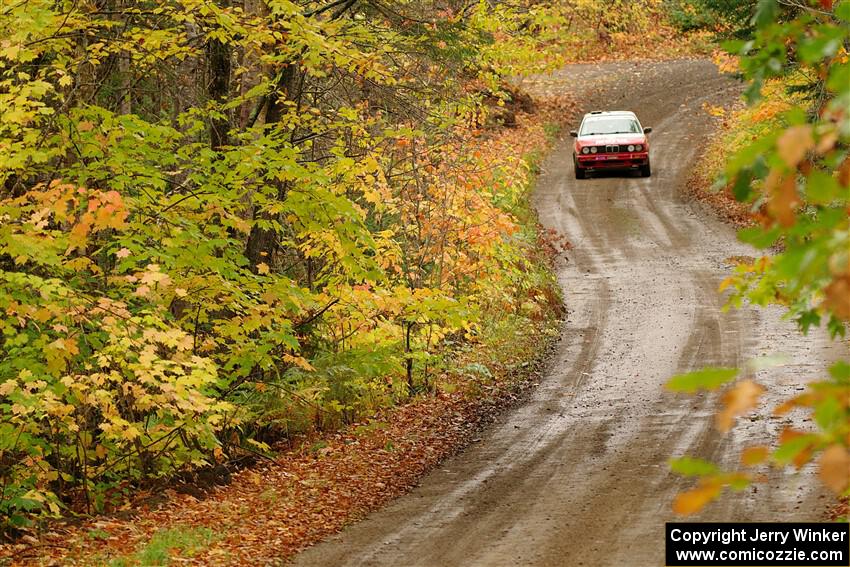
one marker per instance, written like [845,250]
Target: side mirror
[573,133]
[647,130]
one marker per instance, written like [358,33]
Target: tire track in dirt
[578,474]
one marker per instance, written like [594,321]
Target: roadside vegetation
[737,127]
[784,160]
[225,225]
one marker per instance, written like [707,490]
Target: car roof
[610,113]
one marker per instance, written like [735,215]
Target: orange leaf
[844,172]
[752,456]
[793,144]
[835,468]
[79,235]
[741,398]
[803,400]
[725,283]
[838,297]
[826,142]
[782,192]
[693,501]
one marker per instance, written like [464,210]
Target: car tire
[580,172]
[645,170]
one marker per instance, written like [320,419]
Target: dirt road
[578,474]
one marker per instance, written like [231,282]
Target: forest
[232,227]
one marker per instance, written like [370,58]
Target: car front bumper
[632,160]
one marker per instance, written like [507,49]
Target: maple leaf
[8,387]
[123,253]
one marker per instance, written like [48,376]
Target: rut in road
[578,475]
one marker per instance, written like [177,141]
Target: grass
[166,544]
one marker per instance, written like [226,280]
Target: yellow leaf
[298,361]
[738,400]
[79,235]
[262,268]
[123,253]
[835,468]
[713,110]
[130,433]
[71,346]
[85,126]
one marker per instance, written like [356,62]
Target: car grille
[610,149]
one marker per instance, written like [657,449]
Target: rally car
[611,140]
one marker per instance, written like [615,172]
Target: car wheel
[580,172]
[645,170]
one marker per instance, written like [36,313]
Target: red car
[611,141]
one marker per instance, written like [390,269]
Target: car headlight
[593,149]
[638,147]
[585,150]
[631,148]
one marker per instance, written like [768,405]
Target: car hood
[619,139]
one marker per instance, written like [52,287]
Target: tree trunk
[262,242]
[218,55]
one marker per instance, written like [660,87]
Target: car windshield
[598,126]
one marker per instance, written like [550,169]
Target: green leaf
[691,466]
[828,413]
[840,371]
[759,237]
[707,378]
[821,188]
[793,447]
[842,10]
[742,186]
